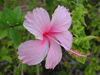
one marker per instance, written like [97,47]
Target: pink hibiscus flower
[55,32]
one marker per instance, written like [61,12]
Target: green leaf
[16,71]
[24,67]
[49,2]
[15,36]
[41,69]
[89,70]
[78,30]
[10,16]
[82,42]
[63,73]
[3,33]
[7,68]
[3,52]
[3,21]
[7,58]
[90,37]
[81,59]
[1,73]
[18,14]
[32,69]
[79,13]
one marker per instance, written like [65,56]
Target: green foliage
[3,52]
[3,21]
[8,21]
[16,71]
[90,69]
[78,14]
[15,36]
[7,58]
[4,56]
[62,73]
[13,17]
[1,74]
[3,33]
[10,4]
[10,16]
[81,41]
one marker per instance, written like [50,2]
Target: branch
[37,69]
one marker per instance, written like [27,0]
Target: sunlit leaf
[7,58]
[3,33]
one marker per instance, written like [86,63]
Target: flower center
[47,34]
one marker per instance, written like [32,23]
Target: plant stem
[77,1]
[37,69]
[22,69]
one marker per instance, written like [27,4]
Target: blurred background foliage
[85,29]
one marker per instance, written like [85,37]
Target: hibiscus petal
[64,38]
[37,22]
[61,19]
[54,55]
[33,52]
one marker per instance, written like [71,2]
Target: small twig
[37,69]
[22,73]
